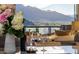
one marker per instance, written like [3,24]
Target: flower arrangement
[11,22]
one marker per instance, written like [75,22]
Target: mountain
[28,23]
[38,16]
[22,8]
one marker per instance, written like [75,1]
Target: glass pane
[42,23]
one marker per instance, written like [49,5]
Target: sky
[67,9]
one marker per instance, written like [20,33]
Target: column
[49,30]
[77,11]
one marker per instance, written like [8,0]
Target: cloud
[39,3]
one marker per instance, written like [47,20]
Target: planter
[10,46]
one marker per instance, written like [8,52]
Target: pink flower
[4,15]
[7,13]
[2,18]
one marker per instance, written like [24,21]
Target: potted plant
[12,25]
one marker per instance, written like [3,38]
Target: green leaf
[10,30]
[10,19]
[19,33]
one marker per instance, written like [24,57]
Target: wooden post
[77,11]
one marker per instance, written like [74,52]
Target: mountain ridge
[36,15]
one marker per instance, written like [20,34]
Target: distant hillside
[28,23]
[39,17]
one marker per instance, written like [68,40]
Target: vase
[10,46]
